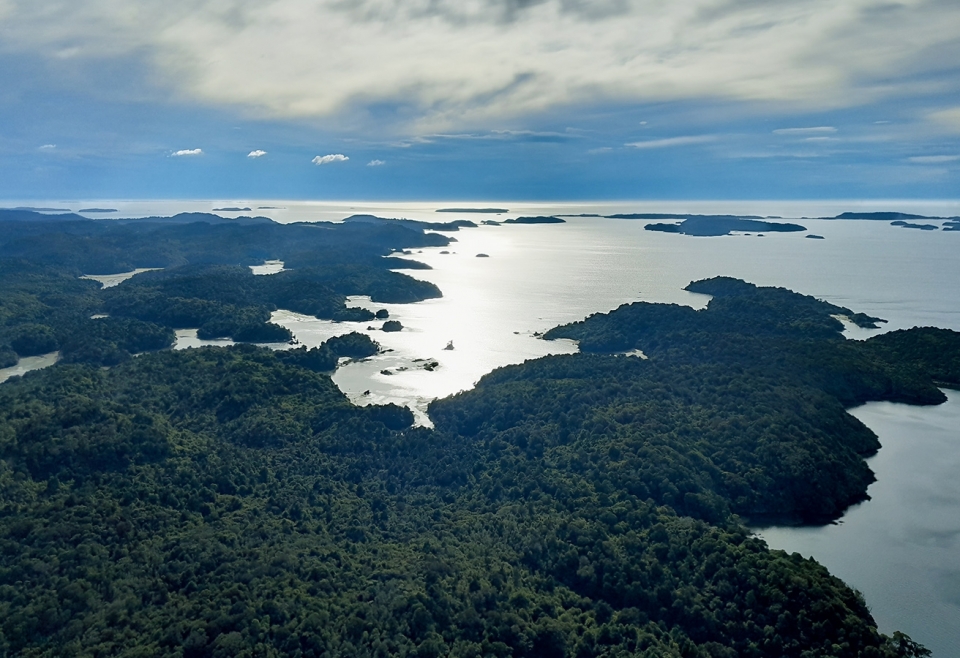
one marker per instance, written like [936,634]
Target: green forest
[203,281]
[230,501]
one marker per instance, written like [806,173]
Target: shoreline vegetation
[231,501]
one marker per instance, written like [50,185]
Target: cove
[900,547]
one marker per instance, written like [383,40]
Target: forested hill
[108,246]
[748,393]
[228,502]
[205,283]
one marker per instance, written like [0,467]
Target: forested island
[718,225]
[230,501]
[535,220]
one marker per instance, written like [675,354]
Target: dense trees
[233,502]
[220,502]
[44,307]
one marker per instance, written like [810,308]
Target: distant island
[922,227]
[490,211]
[648,215]
[814,236]
[717,225]
[231,210]
[880,216]
[97,210]
[412,224]
[535,220]
[33,209]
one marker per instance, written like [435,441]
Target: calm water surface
[902,547]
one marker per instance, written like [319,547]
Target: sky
[479,99]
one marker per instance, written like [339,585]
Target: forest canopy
[230,501]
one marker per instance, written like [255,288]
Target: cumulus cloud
[256,154]
[186,152]
[452,63]
[376,163]
[48,147]
[934,159]
[327,159]
[669,142]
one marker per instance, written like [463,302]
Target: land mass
[230,501]
[534,220]
[413,224]
[203,280]
[922,227]
[879,216]
[717,225]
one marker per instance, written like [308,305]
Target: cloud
[451,65]
[256,154]
[186,152]
[376,163]
[934,159]
[492,135]
[532,135]
[672,141]
[48,147]
[816,130]
[327,159]
[949,118]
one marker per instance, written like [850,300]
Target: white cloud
[327,159]
[376,163]
[256,154]
[48,147]
[934,159]
[186,152]
[672,141]
[816,130]
[464,63]
[949,118]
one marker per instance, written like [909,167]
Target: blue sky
[479,99]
